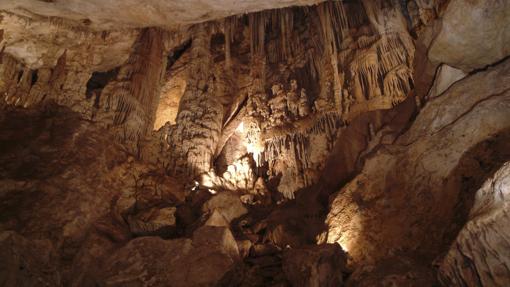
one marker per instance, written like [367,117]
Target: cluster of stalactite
[132,97]
[22,86]
[347,58]
[127,100]
[298,157]
[347,65]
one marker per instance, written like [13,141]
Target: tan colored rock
[473,34]
[227,204]
[445,77]
[216,218]
[404,199]
[200,261]
[479,256]
[117,13]
[315,266]
[40,42]
[244,247]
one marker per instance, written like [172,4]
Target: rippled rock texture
[475,258]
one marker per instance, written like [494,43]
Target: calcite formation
[475,255]
[254,143]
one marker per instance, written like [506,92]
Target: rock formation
[254,143]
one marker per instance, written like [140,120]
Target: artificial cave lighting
[193,143]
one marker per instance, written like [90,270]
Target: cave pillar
[195,135]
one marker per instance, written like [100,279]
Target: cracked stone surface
[474,259]
[413,181]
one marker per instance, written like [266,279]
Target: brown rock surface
[200,261]
[226,204]
[445,77]
[407,192]
[135,13]
[315,266]
[26,262]
[158,143]
[479,255]
[64,181]
[473,34]
[48,189]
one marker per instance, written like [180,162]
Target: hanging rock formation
[254,143]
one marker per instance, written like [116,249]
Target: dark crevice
[20,75]
[97,82]
[176,53]
[477,165]
[488,66]
[35,77]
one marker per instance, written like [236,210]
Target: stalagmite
[195,135]
[185,142]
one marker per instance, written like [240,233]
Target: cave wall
[240,71]
[368,124]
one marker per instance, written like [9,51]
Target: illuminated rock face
[185,143]
[475,258]
[420,177]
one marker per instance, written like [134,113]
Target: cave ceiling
[108,14]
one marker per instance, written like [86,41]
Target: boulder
[473,34]
[154,221]
[315,266]
[200,261]
[226,203]
[25,262]
[216,219]
[445,77]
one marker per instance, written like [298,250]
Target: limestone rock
[154,221]
[200,261]
[39,43]
[394,271]
[478,256]
[473,34]
[405,197]
[216,218]
[139,255]
[320,265]
[227,204]
[117,13]
[49,189]
[244,247]
[445,77]
[26,262]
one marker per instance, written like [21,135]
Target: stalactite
[257,27]
[133,96]
[290,155]
[9,70]
[397,84]
[229,28]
